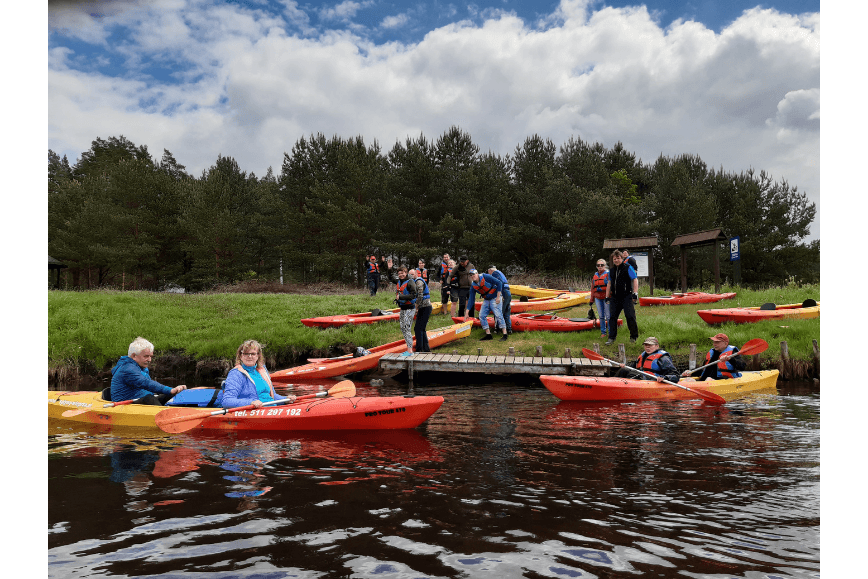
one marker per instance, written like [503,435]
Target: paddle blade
[343,389]
[592,355]
[755,346]
[175,420]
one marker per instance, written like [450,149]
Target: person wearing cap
[722,353]
[653,360]
[506,307]
[460,274]
[491,290]
[622,293]
[372,274]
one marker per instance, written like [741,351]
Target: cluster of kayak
[340,408]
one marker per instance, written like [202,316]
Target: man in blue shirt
[507,296]
[491,290]
[622,293]
[131,379]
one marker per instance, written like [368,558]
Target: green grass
[97,327]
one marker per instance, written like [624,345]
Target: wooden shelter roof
[631,243]
[54,264]
[707,237]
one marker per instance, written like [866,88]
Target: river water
[503,481]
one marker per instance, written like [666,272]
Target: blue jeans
[603,314]
[490,306]
[373,283]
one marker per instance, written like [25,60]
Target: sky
[737,83]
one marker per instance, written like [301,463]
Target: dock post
[816,358]
[539,351]
[785,360]
[512,351]
[410,369]
[691,362]
[567,353]
[622,353]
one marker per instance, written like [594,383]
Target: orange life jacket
[724,368]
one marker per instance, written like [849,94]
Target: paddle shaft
[239,408]
[709,396]
[748,350]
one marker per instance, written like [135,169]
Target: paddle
[175,420]
[707,396]
[77,411]
[751,347]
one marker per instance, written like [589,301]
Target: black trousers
[625,304]
[420,329]
[154,399]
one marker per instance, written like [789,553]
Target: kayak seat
[579,320]
[106,394]
[809,303]
[523,299]
[376,312]
[768,306]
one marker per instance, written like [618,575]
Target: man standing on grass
[622,293]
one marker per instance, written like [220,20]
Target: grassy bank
[92,329]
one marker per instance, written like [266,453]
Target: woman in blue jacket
[248,382]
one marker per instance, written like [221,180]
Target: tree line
[119,217]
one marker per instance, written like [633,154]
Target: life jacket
[423,273]
[724,369]
[373,268]
[650,363]
[486,291]
[425,293]
[601,280]
[444,272]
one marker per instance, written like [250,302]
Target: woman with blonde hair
[248,382]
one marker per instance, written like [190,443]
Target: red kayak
[343,365]
[544,323]
[805,310]
[685,298]
[371,317]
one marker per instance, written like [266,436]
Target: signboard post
[735,258]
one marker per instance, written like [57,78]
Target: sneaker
[406,354]
[603,335]
[610,342]
[486,337]
[504,338]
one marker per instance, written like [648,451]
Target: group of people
[614,291]
[248,383]
[721,362]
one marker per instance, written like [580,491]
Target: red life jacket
[444,272]
[373,267]
[601,280]
[423,273]
[485,290]
[650,363]
[724,369]
[402,290]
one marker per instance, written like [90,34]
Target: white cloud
[344,11]
[395,21]
[747,97]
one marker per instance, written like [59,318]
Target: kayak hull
[749,315]
[590,389]
[361,318]
[344,365]
[685,298]
[528,322]
[535,292]
[545,304]
[331,414]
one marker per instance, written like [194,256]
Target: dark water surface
[503,481]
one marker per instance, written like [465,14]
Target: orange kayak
[685,298]
[543,323]
[591,389]
[355,413]
[758,314]
[371,317]
[343,365]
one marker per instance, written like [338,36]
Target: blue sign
[734,250]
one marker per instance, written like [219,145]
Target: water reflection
[499,483]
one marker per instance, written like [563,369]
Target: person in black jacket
[629,259]
[622,293]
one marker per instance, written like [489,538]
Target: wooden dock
[432,362]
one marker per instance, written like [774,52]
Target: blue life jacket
[724,369]
[426,294]
[198,397]
[499,274]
